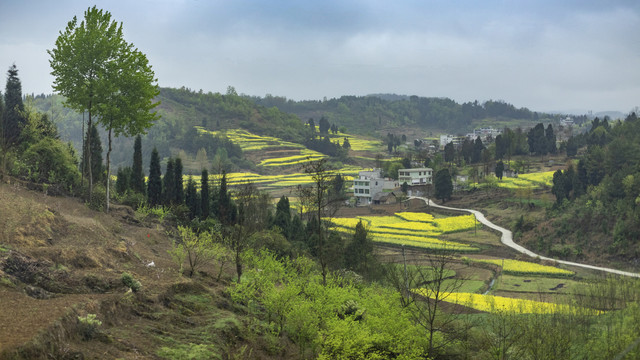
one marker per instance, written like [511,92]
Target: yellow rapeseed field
[493,304]
[456,223]
[414,216]
[398,230]
[532,180]
[517,267]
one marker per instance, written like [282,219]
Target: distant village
[371,188]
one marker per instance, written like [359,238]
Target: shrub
[50,161]
[98,198]
[88,326]
[133,199]
[130,282]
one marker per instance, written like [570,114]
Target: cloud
[544,55]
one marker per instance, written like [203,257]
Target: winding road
[507,239]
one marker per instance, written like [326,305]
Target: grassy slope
[73,258]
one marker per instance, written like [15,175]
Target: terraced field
[532,180]
[412,229]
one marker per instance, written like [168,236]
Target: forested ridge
[597,207]
[366,114]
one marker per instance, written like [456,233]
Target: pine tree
[169,184]
[154,185]
[179,192]
[13,120]
[204,194]
[137,173]
[95,151]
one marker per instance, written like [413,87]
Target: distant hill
[183,109]
[174,133]
[372,113]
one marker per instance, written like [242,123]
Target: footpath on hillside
[507,239]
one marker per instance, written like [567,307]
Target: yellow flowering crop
[456,223]
[414,226]
[395,230]
[532,180]
[252,142]
[291,160]
[517,267]
[414,216]
[493,304]
[360,144]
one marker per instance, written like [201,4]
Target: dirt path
[507,239]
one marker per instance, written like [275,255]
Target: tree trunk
[89,155]
[109,165]
[84,153]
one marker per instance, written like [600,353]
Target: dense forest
[368,114]
[598,195]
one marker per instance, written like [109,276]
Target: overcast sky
[571,56]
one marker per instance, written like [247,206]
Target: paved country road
[507,239]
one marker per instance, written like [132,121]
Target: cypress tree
[204,194]
[13,120]
[137,173]
[122,181]
[359,250]
[179,192]
[169,184]
[191,198]
[224,202]
[154,186]
[282,218]
[95,151]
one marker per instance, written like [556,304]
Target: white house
[370,183]
[418,176]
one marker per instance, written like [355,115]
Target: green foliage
[359,252]
[154,185]
[144,210]
[197,249]
[499,169]
[94,150]
[204,194]
[338,320]
[123,178]
[179,185]
[98,199]
[133,199]
[129,281]
[443,185]
[282,217]
[169,185]
[367,113]
[13,121]
[88,326]
[189,352]
[50,161]
[137,173]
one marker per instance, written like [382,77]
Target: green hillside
[373,113]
